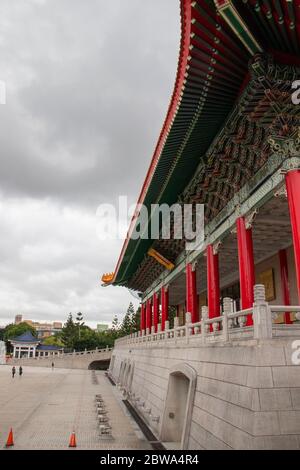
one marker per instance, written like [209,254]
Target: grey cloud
[99,79]
[88,86]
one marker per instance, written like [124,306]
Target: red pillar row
[246,266]
[292,181]
[213,283]
[149,315]
[155,311]
[284,274]
[191,293]
[142,318]
[164,306]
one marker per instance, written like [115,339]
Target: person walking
[52,365]
[20,371]
[13,371]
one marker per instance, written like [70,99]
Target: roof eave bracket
[232,17]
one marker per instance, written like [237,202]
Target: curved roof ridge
[186,15]
[26,337]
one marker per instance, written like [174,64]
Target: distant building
[102,327]
[44,330]
[26,345]
[18,319]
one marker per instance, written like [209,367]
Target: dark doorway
[99,365]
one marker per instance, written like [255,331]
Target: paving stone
[43,407]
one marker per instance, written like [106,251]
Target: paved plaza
[44,406]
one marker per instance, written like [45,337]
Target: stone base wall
[247,395]
[65,362]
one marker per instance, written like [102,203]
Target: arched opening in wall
[178,409]
[99,365]
[121,372]
[112,364]
[130,378]
[126,381]
[124,374]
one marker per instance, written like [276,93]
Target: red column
[284,274]
[213,283]
[155,311]
[142,318]
[149,315]
[246,266]
[191,292]
[292,181]
[164,306]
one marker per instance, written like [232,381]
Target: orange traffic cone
[10,439]
[72,442]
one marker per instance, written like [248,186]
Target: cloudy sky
[88,84]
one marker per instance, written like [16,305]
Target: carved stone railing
[80,353]
[62,355]
[229,326]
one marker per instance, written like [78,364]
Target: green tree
[79,323]
[127,323]
[136,317]
[115,326]
[54,340]
[105,338]
[12,331]
[68,333]
[88,339]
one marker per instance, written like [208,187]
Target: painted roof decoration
[107,278]
[236,64]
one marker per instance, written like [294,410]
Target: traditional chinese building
[28,346]
[230,141]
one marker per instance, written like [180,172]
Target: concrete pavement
[44,406]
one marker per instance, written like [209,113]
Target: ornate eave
[221,114]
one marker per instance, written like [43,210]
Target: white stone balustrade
[63,355]
[229,326]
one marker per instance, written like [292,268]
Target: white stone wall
[247,395]
[63,361]
[2,353]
